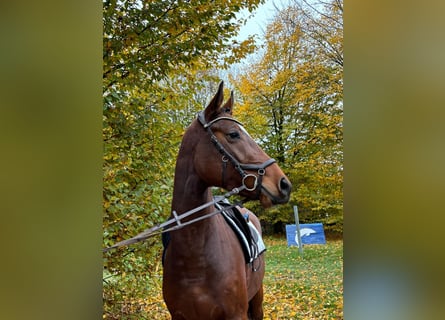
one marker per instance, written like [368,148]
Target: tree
[145,40]
[155,60]
[294,92]
[322,22]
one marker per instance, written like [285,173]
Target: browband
[202,120]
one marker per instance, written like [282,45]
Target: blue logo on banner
[311,233]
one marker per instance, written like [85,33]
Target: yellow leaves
[240,51]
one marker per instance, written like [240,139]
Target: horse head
[226,156]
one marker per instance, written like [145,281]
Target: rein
[175,222]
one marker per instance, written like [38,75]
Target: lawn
[296,287]
[303,287]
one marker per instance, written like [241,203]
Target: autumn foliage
[161,63]
[293,95]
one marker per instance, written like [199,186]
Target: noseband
[240,167]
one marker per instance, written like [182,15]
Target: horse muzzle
[280,196]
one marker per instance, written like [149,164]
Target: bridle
[239,167]
[175,223]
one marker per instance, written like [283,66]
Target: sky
[256,24]
[261,17]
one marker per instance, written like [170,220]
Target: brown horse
[205,273]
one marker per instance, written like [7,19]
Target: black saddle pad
[239,225]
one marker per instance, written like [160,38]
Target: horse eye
[234,135]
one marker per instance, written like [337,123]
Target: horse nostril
[285,186]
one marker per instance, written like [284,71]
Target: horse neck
[189,191]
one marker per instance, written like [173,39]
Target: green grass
[296,287]
[303,287]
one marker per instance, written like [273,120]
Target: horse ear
[228,106]
[212,109]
